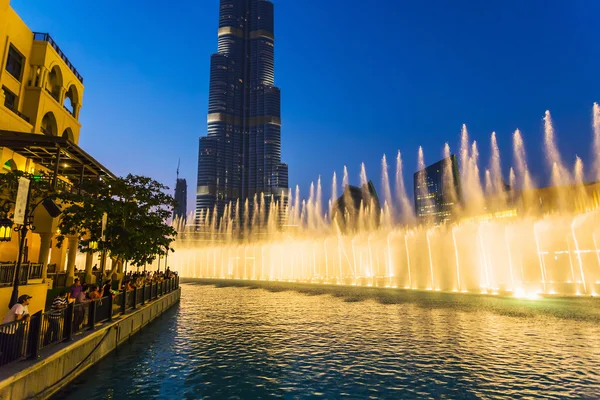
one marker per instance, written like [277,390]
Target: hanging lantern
[93,245]
[5,229]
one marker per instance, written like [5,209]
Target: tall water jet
[448,180]
[385,182]
[334,194]
[298,206]
[496,167]
[520,160]
[406,209]
[560,176]
[464,154]
[579,178]
[476,198]
[310,207]
[319,204]
[422,191]
[489,189]
[596,123]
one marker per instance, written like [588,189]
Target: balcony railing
[28,271]
[18,113]
[25,339]
[45,37]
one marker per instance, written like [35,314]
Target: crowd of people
[139,279]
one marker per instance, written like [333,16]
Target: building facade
[437,191]
[40,100]
[180,209]
[240,157]
[40,90]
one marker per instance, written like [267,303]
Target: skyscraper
[240,157]
[437,191]
[180,209]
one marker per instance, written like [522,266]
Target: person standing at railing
[59,303]
[11,334]
[95,293]
[75,289]
[80,311]
[18,311]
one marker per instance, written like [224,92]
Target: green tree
[137,208]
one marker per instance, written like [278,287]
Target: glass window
[14,63]
[10,99]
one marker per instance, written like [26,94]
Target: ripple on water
[237,343]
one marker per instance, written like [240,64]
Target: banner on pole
[21,202]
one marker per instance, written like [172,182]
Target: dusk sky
[358,79]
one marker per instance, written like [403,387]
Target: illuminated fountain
[524,241]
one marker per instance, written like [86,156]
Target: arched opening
[71,100]
[68,133]
[10,165]
[49,126]
[54,82]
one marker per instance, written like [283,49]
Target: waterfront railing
[25,339]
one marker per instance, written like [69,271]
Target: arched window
[71,100]
[10,165]
[68,133]
[54,82]
[49,126]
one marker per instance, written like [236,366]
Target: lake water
[248,343]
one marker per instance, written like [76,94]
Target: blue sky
[358,79]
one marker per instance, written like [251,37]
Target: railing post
[135,297]
[123,302]
[68,327]
[110,307]
[92,315]
[144,294]
[35,331]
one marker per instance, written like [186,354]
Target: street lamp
[5,223]
[93,244]
[5,230]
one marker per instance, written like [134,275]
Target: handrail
[45,37]
[25,338]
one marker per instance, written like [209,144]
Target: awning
[56,154]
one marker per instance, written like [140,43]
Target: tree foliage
[137,208]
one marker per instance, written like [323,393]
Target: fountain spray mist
[596,123]
[406,210]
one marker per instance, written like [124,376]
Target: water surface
[247,343]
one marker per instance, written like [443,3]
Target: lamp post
[24,223]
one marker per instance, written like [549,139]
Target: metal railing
[24,339]
[81,313]
[13,341]
[45,37]
[53,326]
[27,271]
[19,114]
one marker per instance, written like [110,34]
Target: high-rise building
[437,191]
[180,209]
[240,157]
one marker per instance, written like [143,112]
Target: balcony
[45,37]
[18,113]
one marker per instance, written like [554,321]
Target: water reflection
[243,342]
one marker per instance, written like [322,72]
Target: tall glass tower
[240,157]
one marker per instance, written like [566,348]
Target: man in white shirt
[18,311]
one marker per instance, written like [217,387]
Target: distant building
[437,191]
[180,209]
[346,211]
